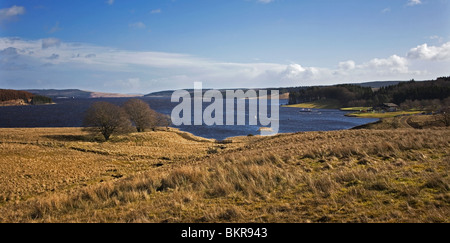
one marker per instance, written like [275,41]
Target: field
[383,114]
[356,108]
[319,104]
[66,175]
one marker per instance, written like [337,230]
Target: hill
[284,93]
[378,84]
[76,93]
[283,90]
[64,175]
[351,95]
[10,97]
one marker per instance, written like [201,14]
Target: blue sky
[134,46]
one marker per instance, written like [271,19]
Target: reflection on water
[70,112]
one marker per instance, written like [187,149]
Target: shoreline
[26,104]
[191,136]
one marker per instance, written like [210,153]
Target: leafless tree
[140,114]
[444,117]
[163,120]
[107,119]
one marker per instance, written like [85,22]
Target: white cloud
[50,42]
[10,51]
[347,65]
[298,72]
[7,14]
[156,11]
[91,66]
[414,2]
[137,25]
[437,38]
[426,52]
[393,64]
[386,10]
[110,2]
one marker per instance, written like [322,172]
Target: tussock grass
[342,176]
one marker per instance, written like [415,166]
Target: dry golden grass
[38,160]
[416,121]
[342,176]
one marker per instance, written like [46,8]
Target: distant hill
[166,93]
[284,92]
[357,95]
[379,84]
[75,93]
[66,93]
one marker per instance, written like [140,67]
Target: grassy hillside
[417,122]
[63,175]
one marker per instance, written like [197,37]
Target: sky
[142,46]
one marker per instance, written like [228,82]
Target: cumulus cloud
[347,65]
[7,14]
[393,64]
[298,72]
[426,52]
[160,70]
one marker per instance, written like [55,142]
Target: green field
[356,108]
[319,104]
[383,115]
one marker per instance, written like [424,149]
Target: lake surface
[70,113]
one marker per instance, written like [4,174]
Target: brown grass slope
[341,176]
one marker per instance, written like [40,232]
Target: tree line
[27,97]
[357,96]
[134,115]
[9,94]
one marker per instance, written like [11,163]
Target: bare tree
[107,119]
[140,114]
[444,117]
[163,120]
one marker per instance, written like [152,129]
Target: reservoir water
[70,113]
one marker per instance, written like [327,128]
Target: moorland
[375,174]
